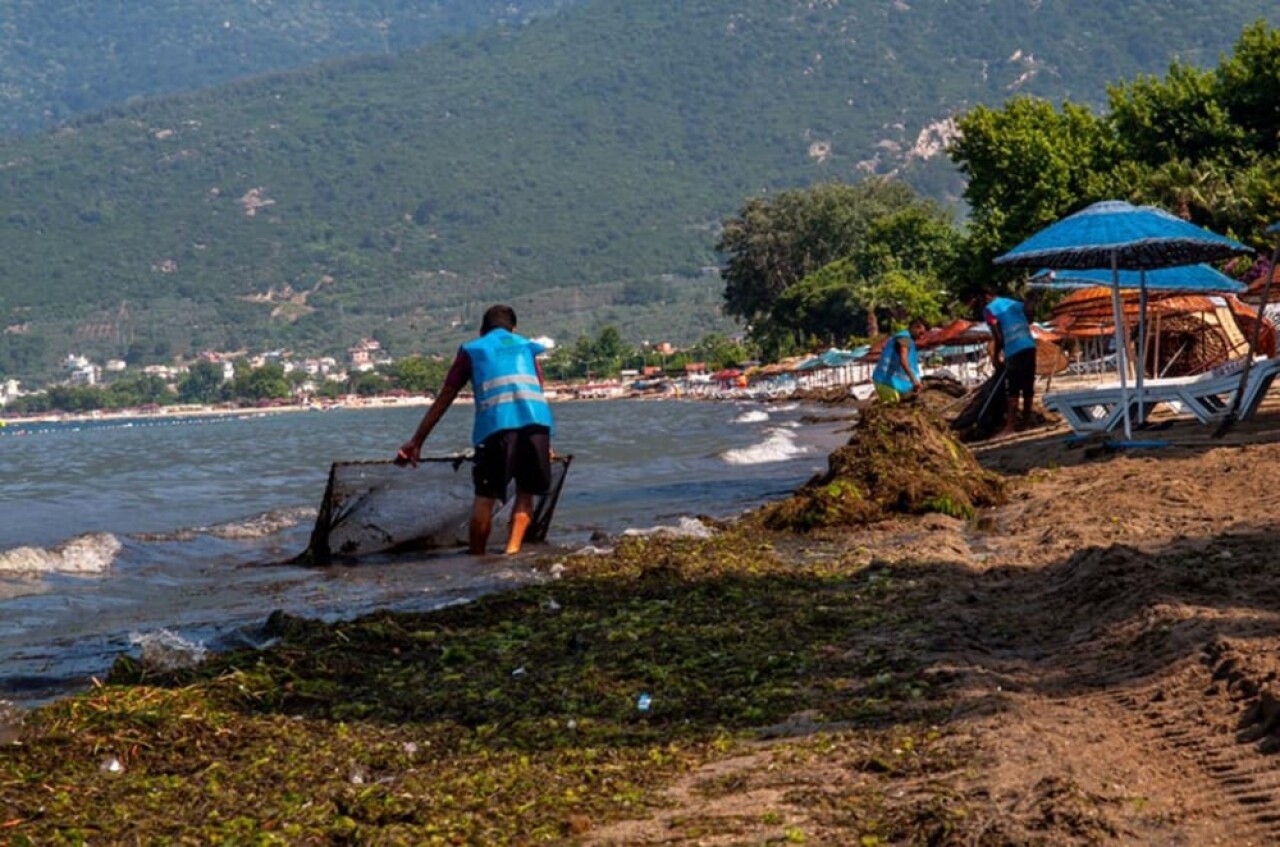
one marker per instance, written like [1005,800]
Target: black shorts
[1020,376]
[520,454]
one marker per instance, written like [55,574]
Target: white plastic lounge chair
[1261,375]
[1207,397]
[1101,408]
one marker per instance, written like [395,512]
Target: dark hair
[498,317]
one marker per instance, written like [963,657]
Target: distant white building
[545,341]
[9,390]
[115,366]
[166,372]
[80,371]
[366,354]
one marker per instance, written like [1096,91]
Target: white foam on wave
[686,528]
[258,526]
[263,525]
[90,553]
[165,651]
[752,416]
[779,446]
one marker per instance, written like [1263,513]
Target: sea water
[122,537]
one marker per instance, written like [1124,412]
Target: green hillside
[565,166]
[60,59]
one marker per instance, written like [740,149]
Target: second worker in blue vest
[1015,352]
[512,429]
[897,373]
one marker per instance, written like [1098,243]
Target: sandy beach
[1091,662]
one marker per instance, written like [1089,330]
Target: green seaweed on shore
[900,459]
[513,719]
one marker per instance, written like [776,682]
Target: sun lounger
[1207,397]
[1261,376]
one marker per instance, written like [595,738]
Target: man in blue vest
[897,373]
[1014,350]
[512,430]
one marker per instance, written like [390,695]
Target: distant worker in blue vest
[897,373]
[512,430]
[1014,351]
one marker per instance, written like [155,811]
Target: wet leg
[521,516]
[481,524]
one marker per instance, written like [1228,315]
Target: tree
[140,390]
[896,262]
[719,352]
[418,374]
[559,364]
[1248,83]
[264,383]
[1177,118]
[203,383]
[608,351]
[773,243]
[1028,165]
[368,383]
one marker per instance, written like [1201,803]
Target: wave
[166,651]
[90,553]
[686,528]
[263,525]
[753,416]
[258,526]
[779,446]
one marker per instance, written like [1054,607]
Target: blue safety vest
[505,378]
[1012,319]
[889,366]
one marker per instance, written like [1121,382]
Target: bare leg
[521,515]
[1010,416]
[481,523]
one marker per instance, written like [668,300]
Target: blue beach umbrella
[1120,236]
[1114,233]
[1186,279]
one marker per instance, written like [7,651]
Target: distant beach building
[80,371]
[546,341]
[10,390]
[322,366]
[366,354]
[166,372]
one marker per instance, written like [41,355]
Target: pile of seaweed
[901,459]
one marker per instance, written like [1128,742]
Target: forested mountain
[566,165]
[60,59]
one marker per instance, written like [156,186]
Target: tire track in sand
[1219,715]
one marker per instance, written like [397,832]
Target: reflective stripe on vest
[505,378]
[889,370]
[1012,319]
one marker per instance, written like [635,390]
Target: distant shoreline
[187,411]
